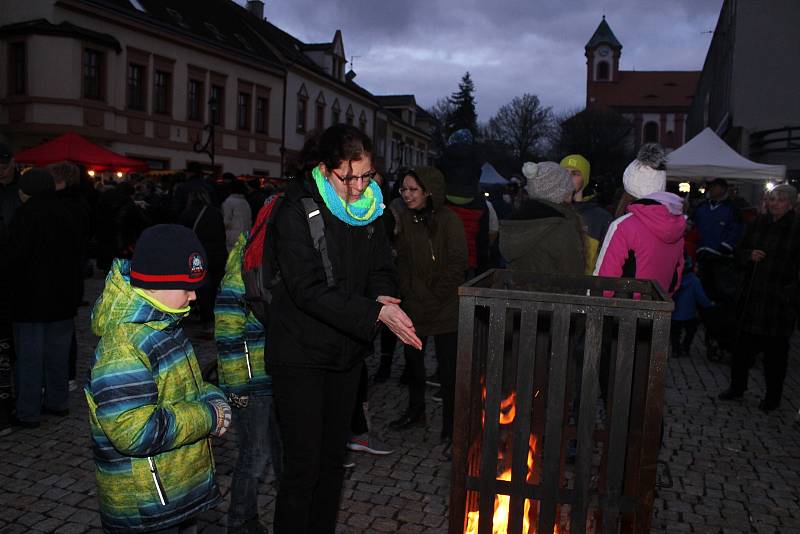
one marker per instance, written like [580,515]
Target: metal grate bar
[559,355]
[623,373]
[586,417]
[494,383]
[522,426]
[462,423]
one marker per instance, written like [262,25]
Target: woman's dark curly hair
[338,143]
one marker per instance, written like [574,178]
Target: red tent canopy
[72,147]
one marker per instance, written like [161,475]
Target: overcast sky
[510,47]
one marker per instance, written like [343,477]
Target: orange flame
[502,502]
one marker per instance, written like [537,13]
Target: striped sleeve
[230,325]
[612,255]
[128,409]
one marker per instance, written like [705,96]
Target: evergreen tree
[463,102]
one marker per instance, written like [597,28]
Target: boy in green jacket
[151,414]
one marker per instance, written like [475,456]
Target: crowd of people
[295,286]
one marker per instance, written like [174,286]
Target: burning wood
[502,502]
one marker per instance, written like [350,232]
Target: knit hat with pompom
[646,174]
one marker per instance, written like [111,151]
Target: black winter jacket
[44,254]
[311,324]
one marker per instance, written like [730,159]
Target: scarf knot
[360,212]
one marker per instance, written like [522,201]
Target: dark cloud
[510,47]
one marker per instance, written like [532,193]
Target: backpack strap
[316,225]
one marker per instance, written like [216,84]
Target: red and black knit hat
[169,256]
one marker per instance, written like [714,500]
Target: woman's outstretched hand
[398,322]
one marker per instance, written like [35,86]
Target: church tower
[602,58]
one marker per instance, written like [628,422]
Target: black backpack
[260,271]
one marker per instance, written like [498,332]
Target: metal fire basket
[559,403]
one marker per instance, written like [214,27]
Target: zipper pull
[430,244]
[162,495]
[247,359]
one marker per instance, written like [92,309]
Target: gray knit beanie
[547,181]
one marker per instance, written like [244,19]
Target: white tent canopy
[707,156]
[490,176]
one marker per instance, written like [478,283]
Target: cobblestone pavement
[730,468]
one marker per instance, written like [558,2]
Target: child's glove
[222,413]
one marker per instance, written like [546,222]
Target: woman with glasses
[325,313]
[431,262]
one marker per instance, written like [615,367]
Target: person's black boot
[412,418]
[730,394]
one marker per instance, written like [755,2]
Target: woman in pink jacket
[647,242]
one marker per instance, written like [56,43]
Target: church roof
[603,35]
[646,89]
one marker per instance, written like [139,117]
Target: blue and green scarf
[359,213]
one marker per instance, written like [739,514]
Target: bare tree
[522,124]
[602,136]
[442,110]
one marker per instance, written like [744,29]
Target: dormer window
[139,7]
[177,18]
[243,42]
[213,29]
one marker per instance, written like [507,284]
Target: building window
[262,115]
[603,70]
[302,108]
[349,116]
[162,92]
[18,69]
[651,132]
[136,96]
[243,112]
[362,122]
[218,106]
[195,107]
[336,113]
[92,74]
[320,117]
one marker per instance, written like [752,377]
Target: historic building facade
[656,102]
[147,78]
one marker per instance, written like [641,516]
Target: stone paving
[730,468]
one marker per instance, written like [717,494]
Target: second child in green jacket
[151,413]
[242,375]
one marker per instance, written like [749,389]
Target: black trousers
[680,341]
[776,354]
[358,423]
[446,351]
[314,408]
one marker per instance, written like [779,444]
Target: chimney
[256,7]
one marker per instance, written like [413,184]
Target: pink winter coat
[646,243]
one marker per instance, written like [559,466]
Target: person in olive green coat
[544,235]
[431,262]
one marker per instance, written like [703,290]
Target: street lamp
[210,145]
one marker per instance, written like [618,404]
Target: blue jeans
[42,360]
[258,439]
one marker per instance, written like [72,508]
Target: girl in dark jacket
[320,331]
[431,262]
